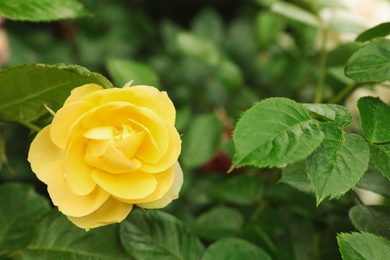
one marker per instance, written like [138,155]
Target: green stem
[323,60]
[336,99]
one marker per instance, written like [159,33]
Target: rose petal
[130,144]
[112,211]
[82,91]
[65,119]
[142,120]
[70,203]
[144,96]
[100,133]
[44,155]
[171,194]
[128,186]
[170,156]
[164,183]
[112,161]
[76,171]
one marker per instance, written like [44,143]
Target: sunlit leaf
[123,71]
[26,89]
[331,112]
[380,30]
[55,237]
[20,206]
[41,10]
[158,235]
[374,119]
[371,62]
[338,163]
[363,246]
[373,219]
[234,249]
[273,132]
[295,12]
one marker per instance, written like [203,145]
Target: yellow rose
[108,149]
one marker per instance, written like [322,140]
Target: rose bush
[107,150]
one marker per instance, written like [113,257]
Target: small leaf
[380,30]
[380,156]
[27,88]
[296,13]
[363,246]
[374,119]
[370,63]
[273,132]
[331,112]
[374,181]
[201,140]
[219,222]
[20,206]
[55,237]
[158,235]
[234,249]
[373,219]
[198,48]
[295,175]
[240,190]
[41,10]
[123,71]
[338,163]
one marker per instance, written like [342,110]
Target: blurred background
[215,58]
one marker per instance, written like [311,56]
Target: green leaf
[296,175]
[363,246]
[198,48]
[268,26]
[273,132]
[219,222]
[370,63]
[338,73]
[240,190]
[373,219]
[338,163]
[41,10]
[230,75]
[380,156]
[20,206]
[374,119]
[380,30]
[208,24]
[27,88]
[123,71]
[374,181]
[331,112]
[201,140]
[296,13]
[158,235]
[55,237]
[234,249]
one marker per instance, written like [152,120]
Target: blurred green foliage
[215,59]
